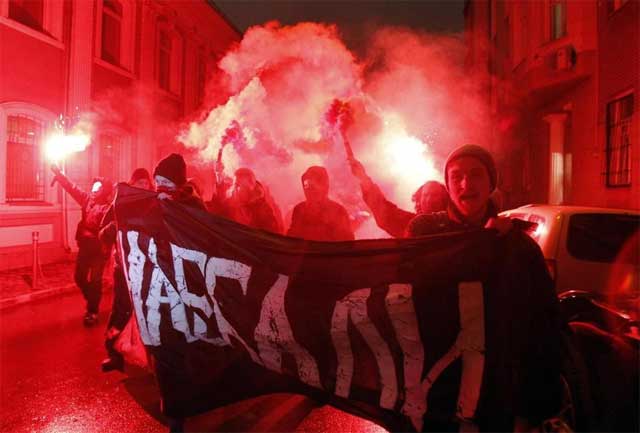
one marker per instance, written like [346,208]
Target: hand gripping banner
[405,332]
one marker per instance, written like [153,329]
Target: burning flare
[59,145]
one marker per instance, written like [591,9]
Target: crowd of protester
[462,203]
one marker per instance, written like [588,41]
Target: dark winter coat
[93,211]
[326,221]
[260,212]
[527,378]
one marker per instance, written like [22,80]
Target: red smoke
[411,99]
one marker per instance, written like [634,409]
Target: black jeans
[88,274]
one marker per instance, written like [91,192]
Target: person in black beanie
[170,176]
[534,393]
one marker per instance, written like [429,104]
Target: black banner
[399,331]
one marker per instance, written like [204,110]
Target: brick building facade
[562,84]
[133,65]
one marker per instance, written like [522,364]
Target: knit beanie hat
[173,168]
[473,151]
[317,173]
[140,173]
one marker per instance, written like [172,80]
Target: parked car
[593,256]
[594,250]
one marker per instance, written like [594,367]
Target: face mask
[96,186]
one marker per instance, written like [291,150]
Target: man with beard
[319,218]
[91,255]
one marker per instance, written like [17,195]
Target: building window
[28,12]
[111,31]
[619,115]
[110,147]
[169,57]
[558,19]
[25,177]
[614,5]
[164,59]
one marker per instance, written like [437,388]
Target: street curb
[35,295]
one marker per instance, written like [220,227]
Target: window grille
[25,171]
[618,148]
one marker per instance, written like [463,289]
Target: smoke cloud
[411,101]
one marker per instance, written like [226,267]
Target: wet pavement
[50,381]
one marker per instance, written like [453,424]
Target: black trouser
[120,310]
[88,275]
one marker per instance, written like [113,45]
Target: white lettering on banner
[136,260]
[235,270]
[354,307]
[399,304]
[191,299]
[470,345]
[274,336]
[155,298]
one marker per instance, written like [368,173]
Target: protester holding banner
[171,182]
[91,256]
[121,306]
[319,218]
[430,197]
[470,176]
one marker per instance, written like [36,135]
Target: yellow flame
[59,146]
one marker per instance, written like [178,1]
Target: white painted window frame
[52,22]
[176,60]
[127,37]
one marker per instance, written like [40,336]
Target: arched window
[23,173]
[25,177]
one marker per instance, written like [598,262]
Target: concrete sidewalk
[53,279]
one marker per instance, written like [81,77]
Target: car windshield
[604,237]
